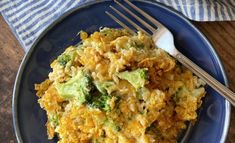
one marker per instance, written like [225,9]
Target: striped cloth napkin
[28,18]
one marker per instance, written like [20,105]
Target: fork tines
[131,22]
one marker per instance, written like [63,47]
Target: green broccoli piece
[63,59]
[113,125]
[54,120]
[137,78]
[103,86]
[101,101]
[67,56]
[137,45]
[184,91]
[142,93]
[78,87]
[181,90]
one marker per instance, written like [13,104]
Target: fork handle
[212,82]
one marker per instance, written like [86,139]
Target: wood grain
[11,55]
[221,35]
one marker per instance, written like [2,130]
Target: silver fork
[163,39]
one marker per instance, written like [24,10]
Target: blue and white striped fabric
[28,18]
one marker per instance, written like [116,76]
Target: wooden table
[221,35]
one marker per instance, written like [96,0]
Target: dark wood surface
[221,35]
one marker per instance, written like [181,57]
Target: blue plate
[29,119]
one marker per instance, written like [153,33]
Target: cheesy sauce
[115,87]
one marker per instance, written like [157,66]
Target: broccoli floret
[78,87]
[137,78]
[110,123]
[181,91]
[137,45]
[101,101]
[103,86]
[68,56]
[142,93]
[54,120]
[64,59]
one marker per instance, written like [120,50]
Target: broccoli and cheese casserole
[115,87]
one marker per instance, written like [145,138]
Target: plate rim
[227,118]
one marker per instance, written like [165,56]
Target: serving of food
[118,87]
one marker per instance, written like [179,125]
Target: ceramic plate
[29,119]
